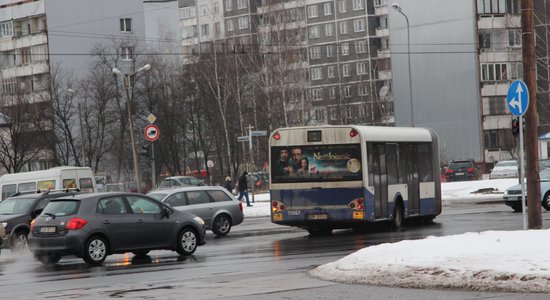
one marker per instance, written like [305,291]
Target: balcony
[494,88]
[381,10]
[383,53]
[382,32]
[384,74]
[498,21]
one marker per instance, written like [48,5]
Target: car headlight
[5,224]
[199,220]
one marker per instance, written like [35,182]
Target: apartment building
[38,35]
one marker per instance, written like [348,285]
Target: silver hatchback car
[219,209]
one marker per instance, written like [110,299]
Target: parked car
[544,164]
[180,181]
[2,235]
[465,169]
[505,169]
[219,209]
[512,195]
[17,212]
[93,226]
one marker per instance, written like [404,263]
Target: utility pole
[531,116]
[251,158]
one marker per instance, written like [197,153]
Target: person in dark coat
[228,185]
[243,188]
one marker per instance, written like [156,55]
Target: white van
[57,178]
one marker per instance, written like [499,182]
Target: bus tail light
[353,133]
[277,206]
[277,136]
[356,204]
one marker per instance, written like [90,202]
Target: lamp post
[398,8]
[127,78]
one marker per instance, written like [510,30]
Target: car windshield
[507,164]
[545,175]
[15,206]
[158,196]
[61,207]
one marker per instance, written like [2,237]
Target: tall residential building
[37,36]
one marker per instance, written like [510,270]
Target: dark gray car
[215,205]
[92,226]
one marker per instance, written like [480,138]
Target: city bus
[333,177]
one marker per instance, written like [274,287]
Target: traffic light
[146,151]
[515,126]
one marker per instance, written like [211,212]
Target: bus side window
[424,159]
[69,183]
[27,186]
[45,185]
[8,190]
[86,185]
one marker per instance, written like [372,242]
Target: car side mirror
[165,213]
[36,212]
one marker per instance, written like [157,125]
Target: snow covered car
[512,195]
[505,169]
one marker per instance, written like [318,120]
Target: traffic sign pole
[523,203]
[154,170]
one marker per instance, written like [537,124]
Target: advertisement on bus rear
[316,163]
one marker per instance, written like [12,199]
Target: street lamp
[127,78]
[398,8]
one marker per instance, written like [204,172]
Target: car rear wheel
[546,201]
[48,259]
[516,208]
[187,242]
[95,250]
[222,225]
[19,241]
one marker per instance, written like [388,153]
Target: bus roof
[39,174]
[376,133]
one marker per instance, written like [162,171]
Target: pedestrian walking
[243,188]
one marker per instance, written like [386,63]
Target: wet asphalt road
[257,260]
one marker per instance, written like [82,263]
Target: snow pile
[513,261]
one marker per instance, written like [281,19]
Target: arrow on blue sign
[518,98]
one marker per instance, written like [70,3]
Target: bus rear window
[316,163]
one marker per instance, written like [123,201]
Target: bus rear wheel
[397,222]
[319,231]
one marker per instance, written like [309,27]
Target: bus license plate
[277,217]
[317,217]
[47,229]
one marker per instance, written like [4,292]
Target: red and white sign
[151,132]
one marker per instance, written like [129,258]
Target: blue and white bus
[329,177]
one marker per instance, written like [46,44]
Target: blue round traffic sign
[518,98]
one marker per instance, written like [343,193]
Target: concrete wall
[444,73]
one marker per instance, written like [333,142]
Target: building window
[328,9]
[359,25]
[494,72]
[189,31]
[205,29]
[513,7]
[316,73]
[126,25]
[228,5]
[25,56]
[342,6]
[362,68]
[320,114]
[495,105]
[347,91]
[6,29]
[243,22]
[345,70]
[330,51]
[361,46]
[491,7]
[358,4]
[314,32]
[498,138]
[362,90]
[9,86]
[328,29]
[345,48]
[514,37]
[312,11]
[188,12]
[203,10]
[315,52]
[241,4]
[217,28]
[343,27]
[332,92]
[516,70]
[316,94]
[330,71]
[216,8]
[229,25]
[485,40]
[126,53]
